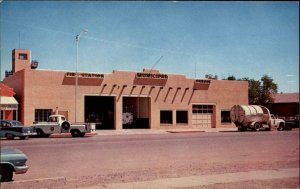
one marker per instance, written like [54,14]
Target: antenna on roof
[156,63]
[19,39]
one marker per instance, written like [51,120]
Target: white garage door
[202,115]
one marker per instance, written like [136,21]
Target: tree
[260,92]
[231,77]
[267,89]
[254,91]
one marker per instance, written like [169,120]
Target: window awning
[8,100]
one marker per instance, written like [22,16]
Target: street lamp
[76,75]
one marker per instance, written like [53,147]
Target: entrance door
[100,110]
[202,116]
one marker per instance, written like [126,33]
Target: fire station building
[122,99]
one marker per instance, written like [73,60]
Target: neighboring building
[8,104]
[285,104]
[124,99]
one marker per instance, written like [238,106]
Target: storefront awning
[8,100]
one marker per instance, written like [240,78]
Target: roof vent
[8,73]
[34,64]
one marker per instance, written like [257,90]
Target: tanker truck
[255,117]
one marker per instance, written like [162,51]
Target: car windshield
[16,124]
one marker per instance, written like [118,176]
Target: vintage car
[11,129]
[12,160]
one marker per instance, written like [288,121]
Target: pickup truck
[59,124]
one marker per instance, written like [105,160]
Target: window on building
[166,117]
[225,116]
[1,114]
[23,56]
[42,114]
[182,117]
[200,109]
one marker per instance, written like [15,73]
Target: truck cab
[275,122]
[57,119]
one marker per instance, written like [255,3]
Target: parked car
[293,122]
[12,160]
[11,129]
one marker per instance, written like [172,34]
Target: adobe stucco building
[123,99]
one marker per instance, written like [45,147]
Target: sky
[195,38]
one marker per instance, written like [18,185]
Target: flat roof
[286,98]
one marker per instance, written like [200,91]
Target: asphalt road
[102,160]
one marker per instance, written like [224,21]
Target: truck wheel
[6,173]
[76,133]
[82,134]
[256,126]
[65,125]
[10,136]
[281,127]
[40,133]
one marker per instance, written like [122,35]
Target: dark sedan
[11,129]
[12,160]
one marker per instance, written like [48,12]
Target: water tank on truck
[252,117]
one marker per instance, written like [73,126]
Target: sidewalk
[147,131]
[204,180]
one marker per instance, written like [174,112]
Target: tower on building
[20,60]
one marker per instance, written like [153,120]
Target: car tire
[6,173]
[9,136]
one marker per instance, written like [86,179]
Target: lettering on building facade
[202,84]
[85,75]
[202,81]
[9,107]
[151,76]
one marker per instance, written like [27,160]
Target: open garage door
[100,110]
[136,112]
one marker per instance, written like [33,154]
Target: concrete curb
[160,131]
[69,134]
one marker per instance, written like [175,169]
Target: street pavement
[204,180]
[139,158]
